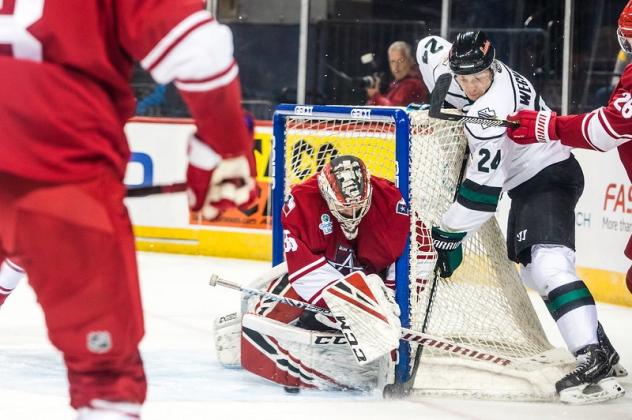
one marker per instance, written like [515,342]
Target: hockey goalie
[343,231]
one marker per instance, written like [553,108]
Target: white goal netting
[484,305]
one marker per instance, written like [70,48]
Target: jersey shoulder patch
[289,204]
[401,207]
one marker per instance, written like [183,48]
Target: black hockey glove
[449,250]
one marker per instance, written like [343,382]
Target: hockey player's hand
[215,184]
[535,127]
[449,250]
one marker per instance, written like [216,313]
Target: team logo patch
[99,342]
[325,224]
[289,204]
[401,208]
[486,113]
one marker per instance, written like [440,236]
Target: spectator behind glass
[407,85]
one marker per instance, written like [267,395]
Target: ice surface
[186,382]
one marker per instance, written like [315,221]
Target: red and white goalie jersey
[604,128]
[76,56]
[317,251]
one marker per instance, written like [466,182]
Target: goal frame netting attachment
[407,142]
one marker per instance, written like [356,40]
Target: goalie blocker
[275,342]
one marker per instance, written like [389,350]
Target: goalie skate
[592,381]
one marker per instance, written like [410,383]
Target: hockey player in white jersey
[544,183]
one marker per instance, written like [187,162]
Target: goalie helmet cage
[484,304]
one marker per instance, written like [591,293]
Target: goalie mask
[345,184]
[624,31]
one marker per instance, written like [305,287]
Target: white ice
[186,382]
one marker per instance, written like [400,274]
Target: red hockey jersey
[604,128]
[318,253]
[64,76]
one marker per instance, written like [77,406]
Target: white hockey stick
[407,334]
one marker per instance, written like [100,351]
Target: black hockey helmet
[472,52]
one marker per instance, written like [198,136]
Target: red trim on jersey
[585,123]
[316,265]
[211,78]
[14,266]
[365,308]
[177,41]
[606,126]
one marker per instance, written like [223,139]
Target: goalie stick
[436,102]
[402,389]
[424,339]
[156,189]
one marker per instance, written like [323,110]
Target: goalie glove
[449,250]
[215,184]
[365,314]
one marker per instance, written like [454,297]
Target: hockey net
[484,304]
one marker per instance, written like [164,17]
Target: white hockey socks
[10,276]
[367,316]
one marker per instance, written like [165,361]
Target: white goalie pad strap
[227,337]
[202,156]
[313,359]
[365,314]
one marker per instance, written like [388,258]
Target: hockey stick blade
[438,97]
[156,189]
[424,339]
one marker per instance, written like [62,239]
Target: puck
[291,389]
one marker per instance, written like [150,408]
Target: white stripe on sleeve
[600,134]
[203,54]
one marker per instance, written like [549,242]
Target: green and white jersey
[496,163]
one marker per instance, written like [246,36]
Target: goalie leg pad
[226,337]
[275,310]
[294,357]
[367,316]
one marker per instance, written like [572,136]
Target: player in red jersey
[337,224]
[64,73]
[603,129]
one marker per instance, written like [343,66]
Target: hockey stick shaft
[407,334]
[216,280]
[436,103]
[156,189]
